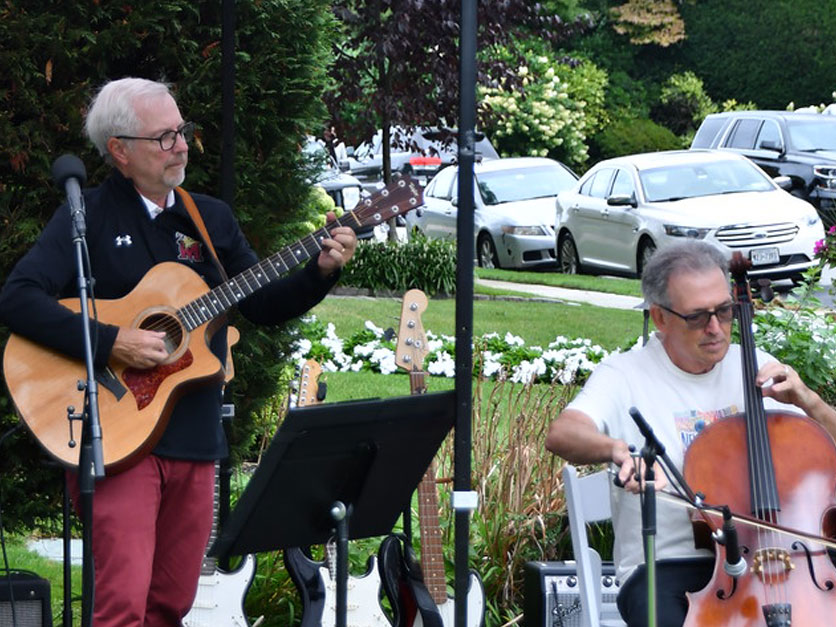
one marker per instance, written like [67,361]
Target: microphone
[734,564]
[69,172]
[646,430]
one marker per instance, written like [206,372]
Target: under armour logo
[123,240]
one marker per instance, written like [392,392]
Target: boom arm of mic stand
[661,454]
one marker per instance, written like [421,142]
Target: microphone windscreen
[66,167]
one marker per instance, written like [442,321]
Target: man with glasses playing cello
[686,377]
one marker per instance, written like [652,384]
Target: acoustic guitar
[134,404]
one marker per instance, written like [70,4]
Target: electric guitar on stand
[220,594]
[316,581]
[420,597]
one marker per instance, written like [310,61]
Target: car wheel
[567,256]
[646,250]
[486,252]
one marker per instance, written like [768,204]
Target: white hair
[113,110]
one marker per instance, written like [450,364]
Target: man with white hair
[152,521]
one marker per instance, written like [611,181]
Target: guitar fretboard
[432,554]
[399,198]
[236,289]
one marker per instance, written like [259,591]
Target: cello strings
[762,475]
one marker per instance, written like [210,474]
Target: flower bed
[495,357]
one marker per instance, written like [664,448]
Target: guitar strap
[191,207]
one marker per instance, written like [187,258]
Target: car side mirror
[771,144]
[784,182]
[344,165]
[454,200]
[622,200]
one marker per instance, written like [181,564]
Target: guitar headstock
[309,384]
[412,341]
[399,197]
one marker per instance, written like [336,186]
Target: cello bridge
[770,564]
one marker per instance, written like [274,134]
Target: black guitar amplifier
[32,607]
[552,597]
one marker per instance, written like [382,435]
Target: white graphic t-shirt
[677,405]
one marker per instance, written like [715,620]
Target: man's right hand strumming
[140,348]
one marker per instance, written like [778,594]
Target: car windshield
[813,136]
[702,179]
[501,186]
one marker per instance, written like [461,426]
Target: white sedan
[623,209]
[513,218]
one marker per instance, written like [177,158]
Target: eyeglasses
[700,319]
[168,139]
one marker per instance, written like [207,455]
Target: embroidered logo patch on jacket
[189,249]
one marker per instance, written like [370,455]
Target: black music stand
[350,467]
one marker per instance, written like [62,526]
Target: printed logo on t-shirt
[691,422]
[189,249]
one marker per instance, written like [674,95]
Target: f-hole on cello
[777,467]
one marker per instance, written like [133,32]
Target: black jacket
[124,243]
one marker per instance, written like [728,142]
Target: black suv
[801,146]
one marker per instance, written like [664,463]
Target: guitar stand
[333,464]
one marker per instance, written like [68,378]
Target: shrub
[784,54]
[683,103]
[632,136]
[554,113]
[425,264]
[804,338]
[55,56]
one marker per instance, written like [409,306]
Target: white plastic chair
[588,500]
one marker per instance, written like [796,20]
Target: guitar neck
[396,199]
[209,563]
[229,293]
[432,555]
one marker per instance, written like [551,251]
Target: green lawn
[610,285]
[538,323]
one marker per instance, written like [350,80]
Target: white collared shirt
[153,208]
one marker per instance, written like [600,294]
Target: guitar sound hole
[169,325]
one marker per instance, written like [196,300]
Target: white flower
[443,364]
[514,340]
[374,329]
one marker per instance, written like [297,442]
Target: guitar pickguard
[144,384]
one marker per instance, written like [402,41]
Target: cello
[780,468]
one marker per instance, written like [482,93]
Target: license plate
[764,256]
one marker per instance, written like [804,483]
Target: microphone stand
[652,452]
[91,460]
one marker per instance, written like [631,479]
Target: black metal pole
[463,502]
[228,102]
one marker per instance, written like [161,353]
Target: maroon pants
[151,524]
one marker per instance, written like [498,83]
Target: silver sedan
[513,220]
[623,209]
